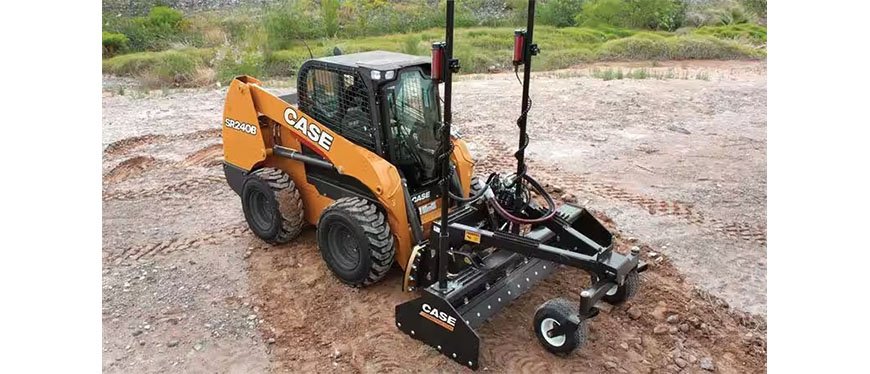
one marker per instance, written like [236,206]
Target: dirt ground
[676,166]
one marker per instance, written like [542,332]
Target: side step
[450,328]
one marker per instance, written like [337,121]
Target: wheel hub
[547,325]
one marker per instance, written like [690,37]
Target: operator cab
[382,101]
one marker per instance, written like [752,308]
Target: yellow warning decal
[472,236]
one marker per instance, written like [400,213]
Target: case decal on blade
[440,318]
[310,130]
[246,128]
[471,236]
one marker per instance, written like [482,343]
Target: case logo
[421,196]
[310,130]
[440,318]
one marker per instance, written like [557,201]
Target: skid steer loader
[364,152]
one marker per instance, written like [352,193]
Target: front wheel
[555,313]
[355,241]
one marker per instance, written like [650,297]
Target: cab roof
[376,60]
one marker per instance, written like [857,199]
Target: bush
[752,33]
[167,68]
[603,12]
[650,14]
[564,58]
[648,46]
[284,63]
[231,63]
[329,13]
[727,12]
[291,21]
[114,43]
[559,13]
[758,7]
[156,31]
[411,45]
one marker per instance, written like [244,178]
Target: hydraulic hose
[551,205]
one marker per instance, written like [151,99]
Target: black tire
[355,241]
[626,291]
[557,312]
[272,206]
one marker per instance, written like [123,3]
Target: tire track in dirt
[211,156]
[127,144]
[152,249]
[756,233]
[186,187]
[129,168]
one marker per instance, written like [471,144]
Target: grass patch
[752,33]
[178,68]
[647,46]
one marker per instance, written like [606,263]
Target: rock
[623,345]
[707,364]
[197,346]
[672,329]
[271,341]
[137,332]
[569,198]
[247,254]
[634,313]
[693,359]
[336,354]
[557,189]
[653,254]
[695,321]
[684,328]
[611,365]
[142,343]
[660,329]
[172,343]
[680,362]
[660,311]
[252,317]
[147,327]
[673,319]
[679,129]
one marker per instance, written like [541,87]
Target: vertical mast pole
[446,147]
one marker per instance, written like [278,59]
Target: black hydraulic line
[294,155]
[445,150]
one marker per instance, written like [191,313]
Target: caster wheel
[620,294]
[554,313]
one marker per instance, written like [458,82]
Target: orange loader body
[255,121]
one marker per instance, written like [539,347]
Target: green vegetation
[167,48]
[114,43]
[748,32]
[649,14]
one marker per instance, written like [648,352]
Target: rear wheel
[555,313]
[355,241]
[620,294]
[272,206]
